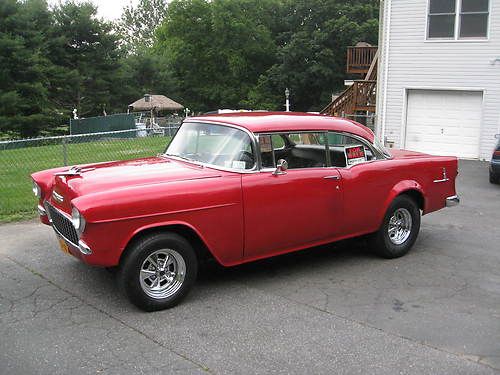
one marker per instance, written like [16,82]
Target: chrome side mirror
[281,167]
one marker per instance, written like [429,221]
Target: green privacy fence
[102,124]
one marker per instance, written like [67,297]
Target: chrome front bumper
[452,201]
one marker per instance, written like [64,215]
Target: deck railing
[361,96]
[359,59]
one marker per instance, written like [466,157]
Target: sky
[107,9]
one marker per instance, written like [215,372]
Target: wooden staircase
[362,94]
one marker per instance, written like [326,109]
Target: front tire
[158,271]
[399,229]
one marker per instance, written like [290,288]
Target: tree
[217,49]
[138,24]
[312,52]
[24,105]
[86,60]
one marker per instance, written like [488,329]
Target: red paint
[245,216]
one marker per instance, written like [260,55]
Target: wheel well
[417,197]
[201,249]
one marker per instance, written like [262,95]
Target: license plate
[64,246]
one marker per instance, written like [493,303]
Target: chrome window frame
[254,138]
[217,167]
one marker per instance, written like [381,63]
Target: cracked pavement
[333,309]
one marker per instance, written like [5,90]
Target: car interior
[311,155]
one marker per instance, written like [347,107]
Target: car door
[366,181]
[297,208]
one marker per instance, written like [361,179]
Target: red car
[240,187]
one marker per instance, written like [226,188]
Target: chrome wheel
[162,273]
[400,224]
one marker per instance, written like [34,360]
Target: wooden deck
[359,59]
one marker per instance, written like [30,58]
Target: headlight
[77,220]
[37,190]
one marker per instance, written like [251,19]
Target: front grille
[62,224]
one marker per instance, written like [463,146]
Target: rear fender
[400,188]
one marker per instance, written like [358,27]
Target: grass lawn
[16,198]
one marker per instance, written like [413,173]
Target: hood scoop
[74,171]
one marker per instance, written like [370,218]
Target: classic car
[237,188]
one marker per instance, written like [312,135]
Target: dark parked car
[495,163]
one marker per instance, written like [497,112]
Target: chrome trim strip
[442,180]
[58,197]
[41,210]
[452,201]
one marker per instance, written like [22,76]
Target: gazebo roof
[155,102]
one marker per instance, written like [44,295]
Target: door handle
[336,178]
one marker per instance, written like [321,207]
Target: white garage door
[444,122]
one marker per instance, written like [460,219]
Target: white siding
[413,62]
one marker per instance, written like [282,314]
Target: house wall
[409,61]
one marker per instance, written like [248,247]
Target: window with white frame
[458,19]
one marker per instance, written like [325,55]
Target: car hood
[94,178]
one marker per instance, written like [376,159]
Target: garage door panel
[444,122]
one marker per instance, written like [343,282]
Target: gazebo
[149,108]
[155,104]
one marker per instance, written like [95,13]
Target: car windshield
[217,145]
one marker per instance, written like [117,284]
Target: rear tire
[158,271]
[399,229]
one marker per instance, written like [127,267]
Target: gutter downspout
[386,67]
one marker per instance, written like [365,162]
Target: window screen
[441,19]
[474,19]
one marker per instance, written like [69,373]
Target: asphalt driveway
[334,309]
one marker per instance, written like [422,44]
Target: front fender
[115,217]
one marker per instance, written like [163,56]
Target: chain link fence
[20,158]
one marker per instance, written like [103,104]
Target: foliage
[85,59]
[23,67]
[217,49]
[138,24]
[312,54]
[206,54]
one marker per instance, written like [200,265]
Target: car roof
[263,122]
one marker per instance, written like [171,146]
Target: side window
[266,151]
[300,150]
[346,151]
[278,141]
